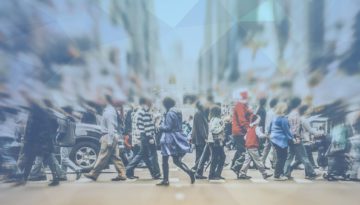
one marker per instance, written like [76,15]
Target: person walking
[270,114]
[199,137]
[280,136]
[217,142]
[109,149]
[173,142]
[39,140]
[252,150]
[146,129]
[297,148]
[240,123]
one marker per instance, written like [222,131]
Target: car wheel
[84,154]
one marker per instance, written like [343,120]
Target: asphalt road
[143,191]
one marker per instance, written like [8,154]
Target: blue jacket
[280,131]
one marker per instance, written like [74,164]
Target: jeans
[143,154]
[217,160]
[154,159]
[65,160]
[299,151]
[239,156]
[281,154]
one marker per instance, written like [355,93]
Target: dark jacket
[41,128]
[200,129]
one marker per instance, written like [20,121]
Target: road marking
[259,180]
[174,180]
[303,181]
[179,196]
[217,181]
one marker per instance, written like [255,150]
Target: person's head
[68,110]
[168,103]
[144,102]
[244,96]
[109,99]
[281,109]
[215,112]
[262,102]
[294,104]
[303,109]
[200,106]
[273,102]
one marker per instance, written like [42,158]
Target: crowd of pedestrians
[275,134]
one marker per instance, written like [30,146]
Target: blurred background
[73,51]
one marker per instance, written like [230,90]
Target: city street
[144,191]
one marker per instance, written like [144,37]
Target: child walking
[252,150]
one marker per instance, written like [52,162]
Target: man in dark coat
[38,141]
[199,136]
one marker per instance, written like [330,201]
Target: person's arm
[256,122]
[259,133]
[168,123]
[306,125]
[286,127]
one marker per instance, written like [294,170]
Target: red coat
[240,119]
[251,140]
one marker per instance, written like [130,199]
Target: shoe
[192,177]
[21,182]
[132,177]
[39,178]
[163,183]
[235,171]
[78,174]
[64,178]
[54,183]
[220,177]
[118,178]
[281,178]
[244,176]
[312,177]
[90,177]
[200,177]
[267,168]
[157,177]
[267,176]
[290,177]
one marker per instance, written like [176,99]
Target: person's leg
[301,153]
[37,170]
[49,159]
[154,160]
[177,161]
[134,162]
[309,153]
[239,156]
[165,169]
[281,155]
[146,156]
[65,160]
[214,161]
[289,160]
[201,164]
[101,162]
[116,160]
[266,151]
[221,162]
[254,153]
[199,149]
[246,165]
